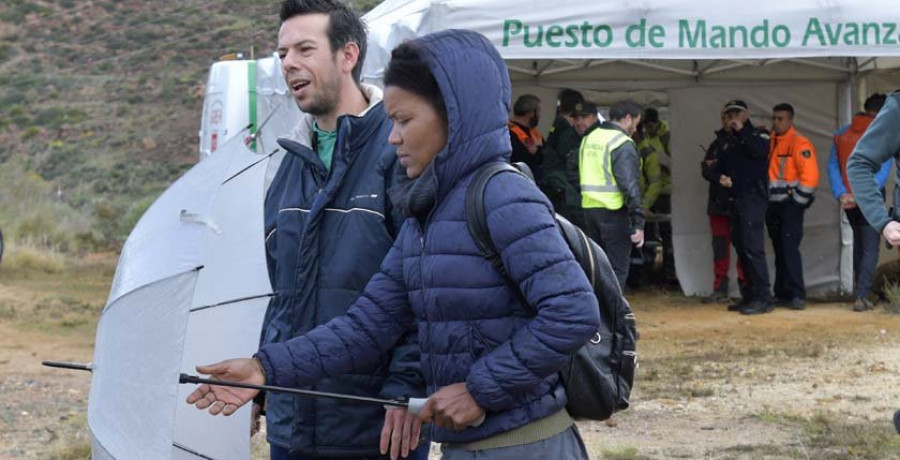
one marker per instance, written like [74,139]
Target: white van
[247,98]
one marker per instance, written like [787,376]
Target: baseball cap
[735,104]
[585,108]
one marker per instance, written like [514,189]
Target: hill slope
[100,104]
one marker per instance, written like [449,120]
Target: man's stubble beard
[326,100]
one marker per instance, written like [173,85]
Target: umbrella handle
[415,406]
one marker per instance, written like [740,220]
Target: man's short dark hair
[651,115]
[784,107]
[409,71]
[344,25]
[622,109]
[875,102]
[526,104]
[567,99]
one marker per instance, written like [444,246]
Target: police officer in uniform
[793,178]
[742,168]
[561,159]
[610,171]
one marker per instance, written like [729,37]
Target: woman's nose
[394,137]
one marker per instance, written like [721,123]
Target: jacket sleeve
[371,327]
[807,172]
[539,262]
[834,173]
[877,146]
[626,167]
[573,170]
[665,140]
[405,377]
[653,173]
[709,167]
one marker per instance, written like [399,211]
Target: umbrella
[191,287]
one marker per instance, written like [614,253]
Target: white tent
[821,56]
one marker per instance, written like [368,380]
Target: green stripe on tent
[251,91]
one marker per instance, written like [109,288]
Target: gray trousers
[564,446]
[865,252]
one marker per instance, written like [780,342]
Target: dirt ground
[819,383]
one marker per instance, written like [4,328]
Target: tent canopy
[689,56]
[833,38]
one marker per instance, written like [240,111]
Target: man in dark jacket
[610,169]
[561,160]
[718,208]
[329,224]
[743,170]
[878,145]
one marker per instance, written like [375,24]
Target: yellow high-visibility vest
[598,184]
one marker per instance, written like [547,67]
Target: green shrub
[30,132]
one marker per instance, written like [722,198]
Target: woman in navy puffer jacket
[482,352]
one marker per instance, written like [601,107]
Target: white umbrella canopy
[191,288]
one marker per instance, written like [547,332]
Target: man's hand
[452,407]
[725,181]
[848,201]
[891,233]
[400,432]
[227,400]
[638,238]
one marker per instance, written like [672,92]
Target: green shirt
[325,145]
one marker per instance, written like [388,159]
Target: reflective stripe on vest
[598,184]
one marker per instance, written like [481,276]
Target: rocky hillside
[100,104]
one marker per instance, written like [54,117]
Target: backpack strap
[476,220]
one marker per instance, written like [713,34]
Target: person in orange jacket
[865,238]
[793,178]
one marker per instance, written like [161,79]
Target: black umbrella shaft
[186,378]
[63,365]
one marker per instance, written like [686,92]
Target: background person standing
[561,159]
[878,145]
[610,168]
[718,208]
[865,238]
[742,170]
[527,141]
[657,172]
[793,178]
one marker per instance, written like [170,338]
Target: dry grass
[830,436]
[892,293]
[28,257]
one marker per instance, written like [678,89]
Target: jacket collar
[789,134]
[302,133]
[299,141]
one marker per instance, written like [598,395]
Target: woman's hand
[452,407]
[227,400]
[400,432]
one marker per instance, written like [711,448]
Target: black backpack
[599,376]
